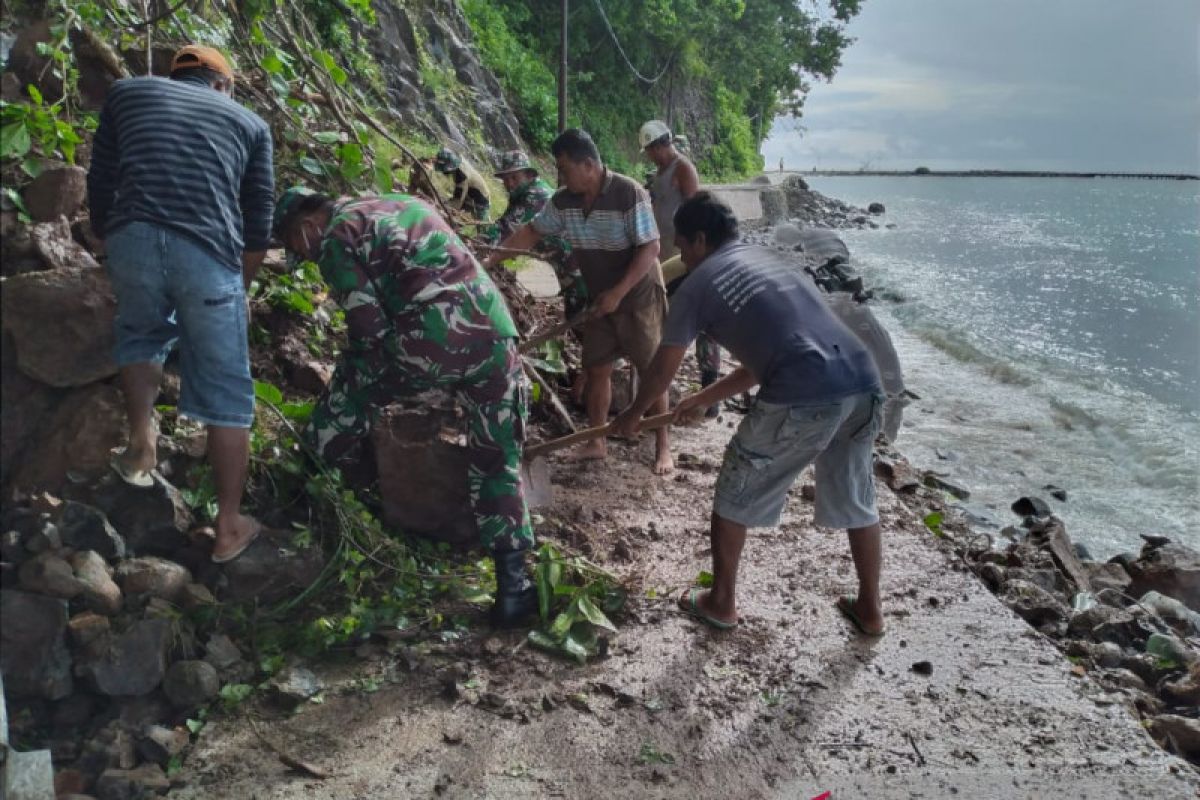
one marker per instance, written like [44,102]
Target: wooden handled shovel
[535,471]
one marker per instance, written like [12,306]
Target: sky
[1068,85]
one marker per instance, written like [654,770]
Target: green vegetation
[718,72]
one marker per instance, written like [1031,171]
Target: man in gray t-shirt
[820,402]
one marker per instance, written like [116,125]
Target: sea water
[1051,327]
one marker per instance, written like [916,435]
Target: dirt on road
[959,698]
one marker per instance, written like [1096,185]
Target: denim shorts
[776,442]
[170,290]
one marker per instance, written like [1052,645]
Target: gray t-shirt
[771,316]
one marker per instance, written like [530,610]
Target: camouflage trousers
[489,383]
[708,356]
[570,283]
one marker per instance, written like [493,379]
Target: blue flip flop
[693,608]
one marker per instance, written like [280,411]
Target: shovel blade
[535,480]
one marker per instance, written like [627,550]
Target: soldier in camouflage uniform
[527,194]
[421,314]
[470,189]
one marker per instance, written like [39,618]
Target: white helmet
[652,131]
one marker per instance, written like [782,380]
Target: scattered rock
[1031,507]
[136,661]
[48,574]
[1057,492]
[876,208]
[77,438]
[1033,604]
[132,784]
[922,668]
[46,537]
[160,744]
[1107,577]
[56,192]
[1182,692]
[1172,611]
[196,595]
[310,377]
[1172,569]
[153,521]
[100,593]
[33,650]
[787,235]
[77,349]
[86,528]
[221,652]
[1183,733]
[1103,623]
[153,576]
[89,633]
[936,481]
[270,569]
[189,684]
[295,685]
[56,247]
[1053,538]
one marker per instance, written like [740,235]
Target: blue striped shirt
[183,156]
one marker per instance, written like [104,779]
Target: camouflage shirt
[408,284]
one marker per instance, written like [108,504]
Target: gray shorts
[776,442]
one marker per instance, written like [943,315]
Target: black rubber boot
[708,379]
[516,595]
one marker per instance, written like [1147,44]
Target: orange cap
[198,55]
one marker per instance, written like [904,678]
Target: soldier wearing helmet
[527,196]
[470,189]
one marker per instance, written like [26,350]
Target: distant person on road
[527,196]
[420,314]
[609,223]
[470,189]
[181,192]
[819,401]
[676,181]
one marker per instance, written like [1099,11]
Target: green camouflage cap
[446,160]
[286,206]
[513,161]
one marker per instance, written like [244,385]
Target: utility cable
[621,50]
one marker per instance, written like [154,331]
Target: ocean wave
[956,346]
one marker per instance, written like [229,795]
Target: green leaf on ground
[704,579]
[650,754]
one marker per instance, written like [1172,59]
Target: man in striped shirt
[608,221]
[181,191]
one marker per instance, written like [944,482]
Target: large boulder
[61,322]
[1034,604]
[270,569]
[135,661]
[17,252]
[30,66]
[77,438]
[24,403]
[189,684]
[152,520]
[100,593]
[50,575]
[83,527]
[1172,569]
[423,473]
[33,648]
[153,577]
[56,192]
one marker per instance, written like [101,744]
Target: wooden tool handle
[553,333]
[586,435]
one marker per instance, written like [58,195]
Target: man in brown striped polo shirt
[608,220]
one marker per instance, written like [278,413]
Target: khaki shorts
[633,334]
[776,442]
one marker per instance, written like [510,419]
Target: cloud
[1071,85]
